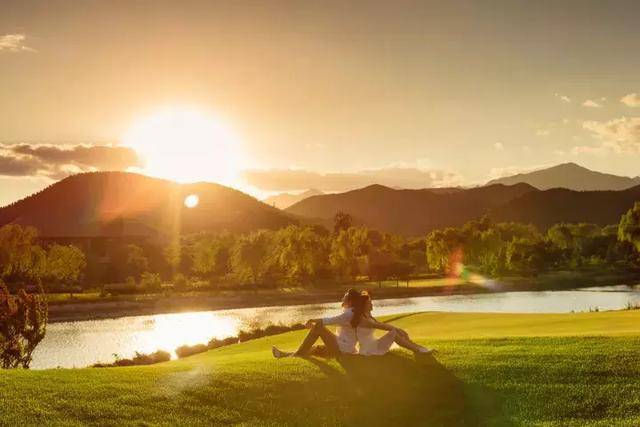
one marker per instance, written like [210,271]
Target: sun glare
[191,201]
[186,145]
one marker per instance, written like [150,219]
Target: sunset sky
[284,95]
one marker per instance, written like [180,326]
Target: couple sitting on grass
[356,327]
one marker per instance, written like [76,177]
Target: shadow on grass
[396,389]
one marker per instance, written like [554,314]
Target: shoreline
[140,305]
[83,311]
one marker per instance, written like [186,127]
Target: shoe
[425,350]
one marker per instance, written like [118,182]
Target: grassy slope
[496,369]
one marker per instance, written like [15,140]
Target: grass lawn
[492,369]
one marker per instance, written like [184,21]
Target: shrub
[138,359]
[215,343]
[186,350]
[23,322]
[189,350]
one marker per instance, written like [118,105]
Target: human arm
[370,322]
[341,319]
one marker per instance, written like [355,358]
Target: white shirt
[370,345]
[346,333]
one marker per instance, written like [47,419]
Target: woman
[369,344]
[355,325]
[343,342]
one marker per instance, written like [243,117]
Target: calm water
[79,344]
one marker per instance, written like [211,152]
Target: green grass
[492,369]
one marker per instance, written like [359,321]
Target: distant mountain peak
[284,200]
[571,176]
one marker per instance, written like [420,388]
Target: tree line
[313,255]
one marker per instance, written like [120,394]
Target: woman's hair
[360,307]
[350,298]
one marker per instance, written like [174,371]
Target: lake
[82,343]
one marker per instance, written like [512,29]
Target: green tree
[443,247]
[302,254]
[211,255]
[342,257]
[64,264]
[21,258]
[172,254]
[250,257]
[130,261]
[629,227]
[527,258]
[341,221]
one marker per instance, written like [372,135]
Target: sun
[186,145]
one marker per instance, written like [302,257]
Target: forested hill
[410,212]
[121,203]
[417,212]
[545,208]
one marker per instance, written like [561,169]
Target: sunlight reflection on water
[79,344]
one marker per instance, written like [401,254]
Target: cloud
[563,98]
[58,161]
[620,135]
[631,100]
[393,176]
[499,146]
[18,166]
[14,43]
[591,104]
[593,150]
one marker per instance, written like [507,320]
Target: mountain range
[127,204]
[417,212]
[121,203]
[572,177]
[409,212]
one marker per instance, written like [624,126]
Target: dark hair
[359,307]
[351,296]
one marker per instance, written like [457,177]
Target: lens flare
[191,201]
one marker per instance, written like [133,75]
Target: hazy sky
[451,92]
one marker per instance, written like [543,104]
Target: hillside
[417,212]
[120,203]
[545,208]
[409,212]
[570,176]
[491,369]
[284,200]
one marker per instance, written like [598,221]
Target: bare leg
[405,342]
[317,331]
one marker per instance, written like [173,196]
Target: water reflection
[79,344]
[169,331]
